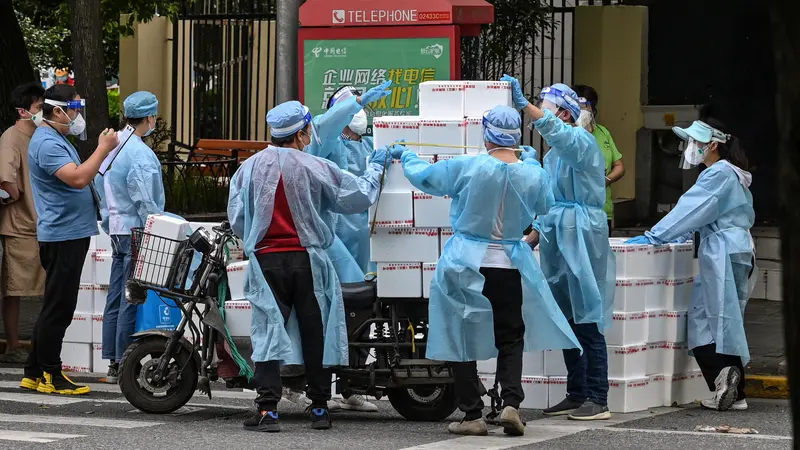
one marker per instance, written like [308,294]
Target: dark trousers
[587,374]
[289,276]
[503,288]
[711,364]
[609,228]
[62,263]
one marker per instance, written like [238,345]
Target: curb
[766,386]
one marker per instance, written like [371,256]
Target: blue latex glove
[520,101]
[397,150]
[376,93]
[639,240]
[529,152]
[380,156]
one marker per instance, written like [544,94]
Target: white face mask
[694,153]
[359,123]
[77,126]
[37,118]
[585,120]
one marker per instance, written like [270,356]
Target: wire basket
[158,261]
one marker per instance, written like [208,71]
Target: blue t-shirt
[65,213]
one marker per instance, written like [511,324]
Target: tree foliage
[44,44]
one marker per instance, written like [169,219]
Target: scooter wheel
[425,403]
[144,393]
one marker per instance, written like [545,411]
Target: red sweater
[282,234]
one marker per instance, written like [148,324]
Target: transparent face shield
[586,118]
[75,110]
[692,154]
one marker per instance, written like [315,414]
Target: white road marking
[78,421]
[39,399]
[182,411]
[33,436]
[768,437]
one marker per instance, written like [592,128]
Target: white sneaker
[297,397]
[739,405]
[727,383]
[357,403]
[711,403]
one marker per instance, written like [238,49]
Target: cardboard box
[441,100]
[556,390]
[97,328]
[628,329]
[387,130]
[682,260]
[76,357]
[442,132]
[627,362]
[99,365]
[663,261]
[157,255]
[85,299]
[676,357]
[102,268]
[631,295]
[236,274]
[533,364]
[659,396]
[80,329]
[431,211]
[656,326]
[536,392]
[487,367]
[554,363]
[405,245]
[395,209]
[474,135]
[100,296]
[625,396]
[396,180]
[678,294]
[675,324]
[428,269]
[694,389]
[399,280]
[444,236]
[102,242]
[87,273]
[238,317]
[481,96]
[656,294]
[633,261]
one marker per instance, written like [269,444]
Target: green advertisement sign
[365,63]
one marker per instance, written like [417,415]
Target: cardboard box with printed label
[556,390]
[400,280]
[678,294]
[633,261]
[405,245]
[442,132]
[656,326]
[387,130]
[696,388]
[481,96]
[631,295]
[658,391]
[625,396]
[663,261]
[85,299]
[656,352]
[99,365]
[76,357]
[676,357]
[533,364]
[395,209]
[445,236]
[675,324]
[536,391]
[396,180]
[100,296]
[87,273]
[554,363]
[431,211]
[628,329]
[441,100]
[682,260]
[428,269]
[238,317]
[102,268]
[656,294]
[627,362]
[102,241]
[97,328]
[474,135]
[236,274]
[158,248]
[80,329]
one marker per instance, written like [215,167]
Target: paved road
[104,420]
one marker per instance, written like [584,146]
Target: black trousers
[711,364]
[62,263]
[289,276]
[503,288]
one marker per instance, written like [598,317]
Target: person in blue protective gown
[129,192]
[720,207]
[281,204]
[487,283]
[575,253]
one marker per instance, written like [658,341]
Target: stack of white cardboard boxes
[412,227]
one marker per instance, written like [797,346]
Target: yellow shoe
[31,384]
[61,384]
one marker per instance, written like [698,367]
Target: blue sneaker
[266,421]
[320,418]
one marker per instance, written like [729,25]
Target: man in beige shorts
[22,274]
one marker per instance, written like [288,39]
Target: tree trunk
[89,67]
[15,66]
[786,48]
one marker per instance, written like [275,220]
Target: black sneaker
[320,418]
[591,411]
[113,373]
[266,421]
[567,406]
[59,383]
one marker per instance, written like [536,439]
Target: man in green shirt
[615,170]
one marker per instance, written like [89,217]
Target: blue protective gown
[353,229]
[131,190]
[460,317]
[329,128]
[317,190]
[720,207]
[575,253]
